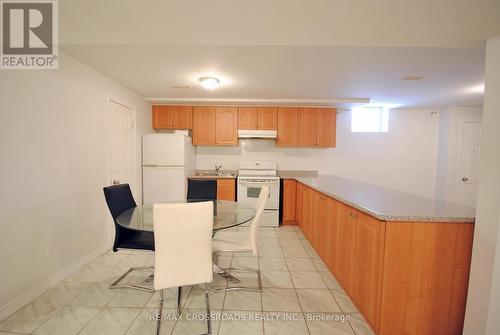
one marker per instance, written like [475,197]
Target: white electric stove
[251,177]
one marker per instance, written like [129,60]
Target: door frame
[133,183]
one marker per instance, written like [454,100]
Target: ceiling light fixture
[209,83]
[412,77]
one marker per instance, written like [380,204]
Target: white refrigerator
[167,161]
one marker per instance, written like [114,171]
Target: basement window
[370,120]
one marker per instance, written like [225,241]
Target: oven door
[249,191]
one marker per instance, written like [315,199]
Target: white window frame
[359,122]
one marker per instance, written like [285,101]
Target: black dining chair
[202,189]
[120,199]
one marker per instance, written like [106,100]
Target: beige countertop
[292,174]
[386,204]
[224,174]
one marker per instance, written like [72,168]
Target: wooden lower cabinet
[289,202]
[298,202]
[344,250]
[226,189]
[325,209]
[307,211]
[369,245]
[404,277]
[425,277]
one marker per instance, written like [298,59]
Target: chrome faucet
[217,168]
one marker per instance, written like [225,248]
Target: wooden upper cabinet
[317,125]
[261,118]
[289,201]
[163,117]
[183,117]
[226,130]
[287,127]
[204,125]
[247,117]
[307,132]
[267,118]
[172,117]
[326,128]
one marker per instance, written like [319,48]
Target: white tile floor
[296,283]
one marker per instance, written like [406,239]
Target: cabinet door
[331,234]
[289,201]
[308,121]
[326,129]
[287,127]
[369,253]
[226,130]
[226,189]
[316,220]
[307,211]
[267,118]
[183,117]
[345,249]
[163,117]
[247,117]
[203,125]
[322,232]
[298,208]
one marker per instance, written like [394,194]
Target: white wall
[54,163]
[403,159]
[483,302]
[451,122]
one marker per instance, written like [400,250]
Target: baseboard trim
[33,293]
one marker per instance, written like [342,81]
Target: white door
[469,163]
[122,144]
[163,184]
[163,150]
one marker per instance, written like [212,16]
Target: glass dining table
[227,214]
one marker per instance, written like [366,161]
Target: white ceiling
[287,49]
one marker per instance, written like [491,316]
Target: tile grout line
[330,291]
[296,295]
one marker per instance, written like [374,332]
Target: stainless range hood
[269,134]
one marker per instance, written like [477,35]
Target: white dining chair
[183,249]
[243,241]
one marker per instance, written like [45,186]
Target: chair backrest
[183,244]
[202,189]
[259,207]
[119,199]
